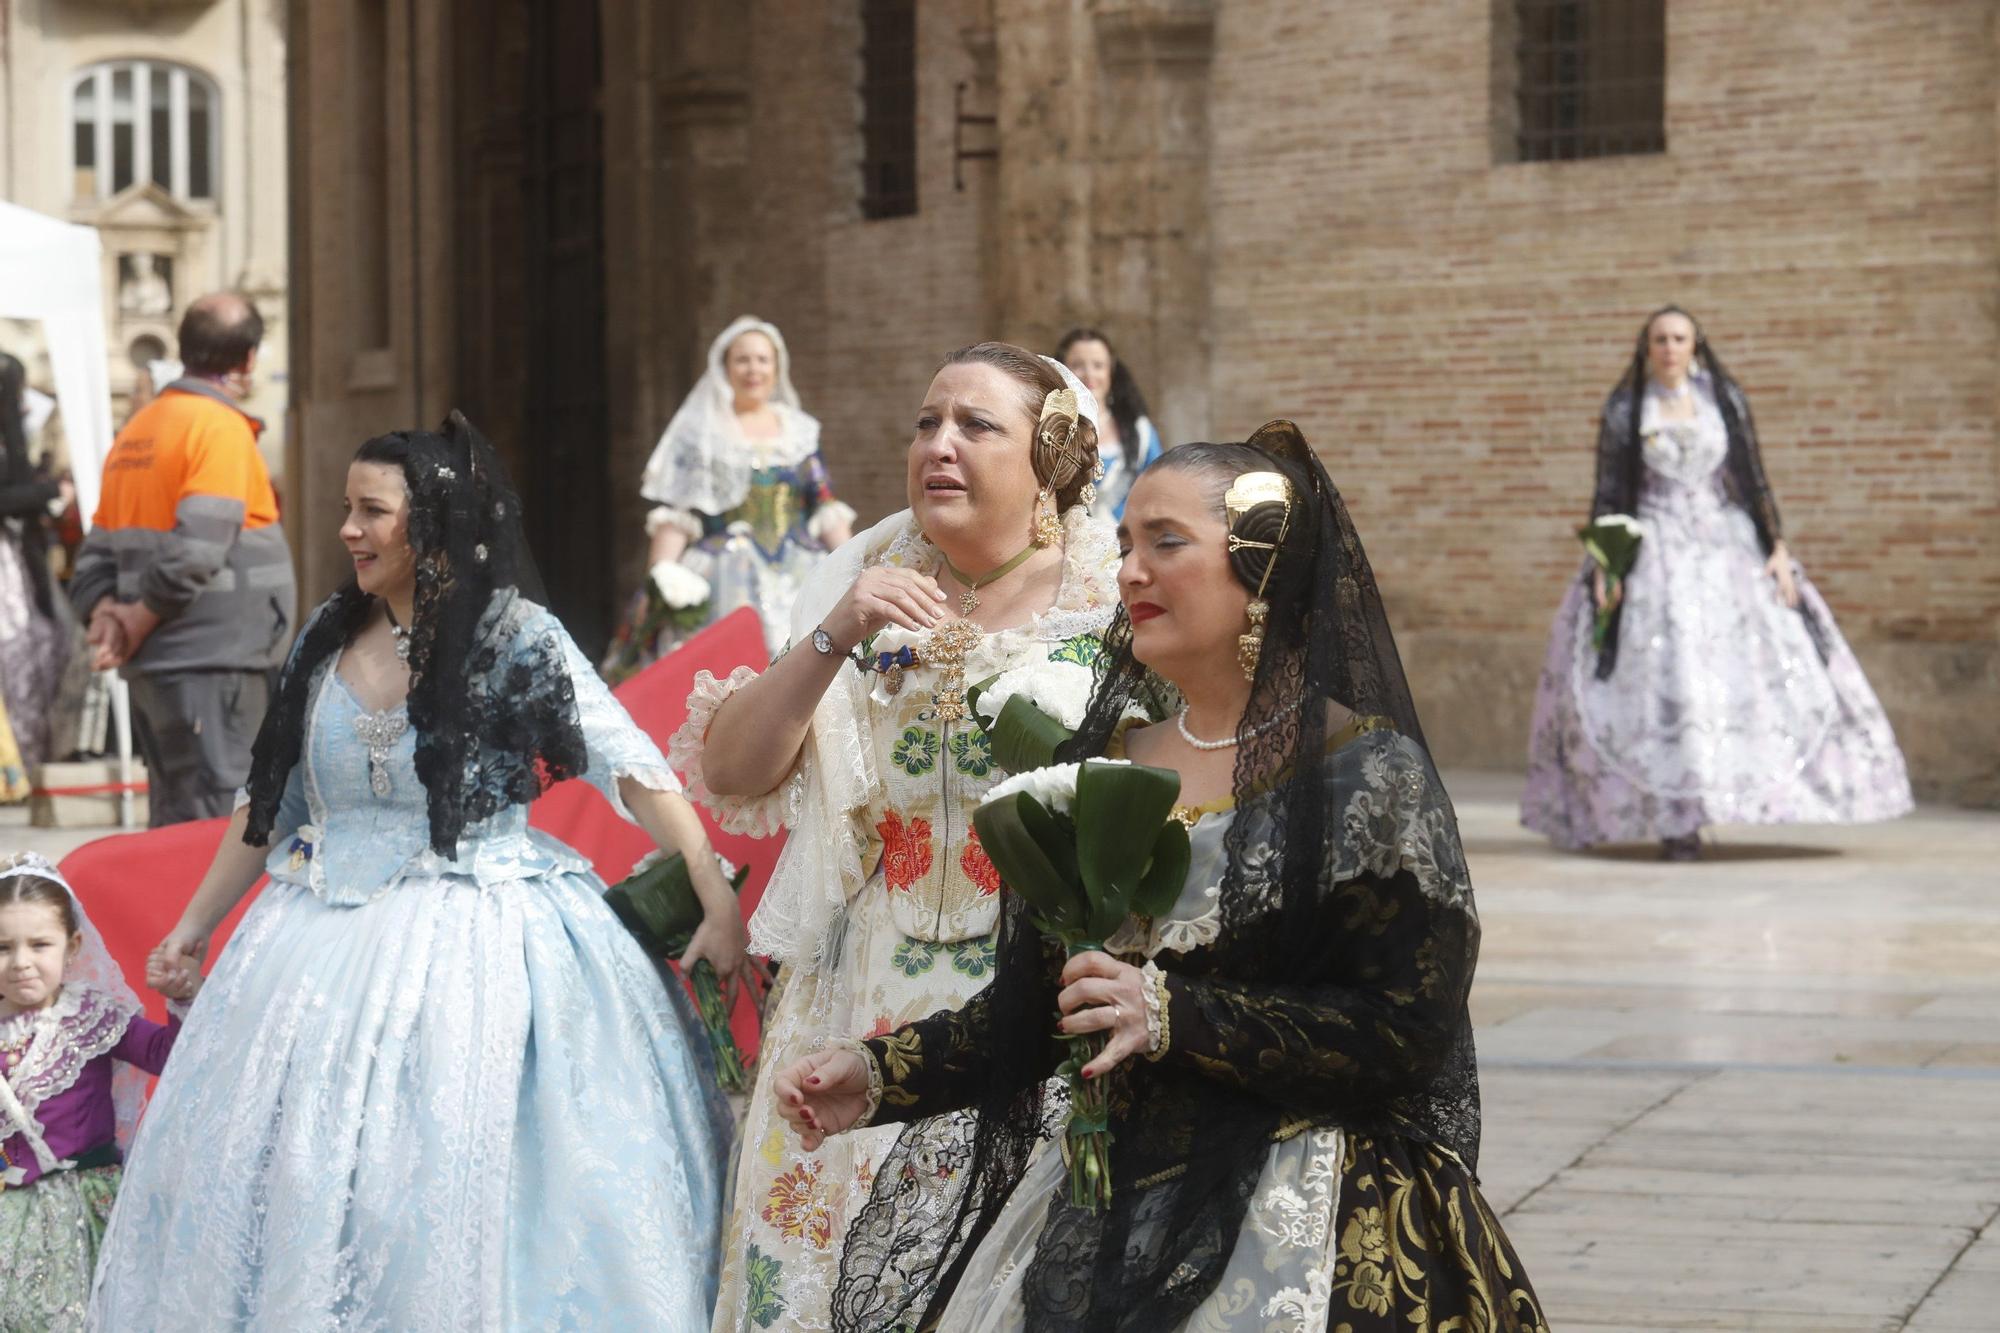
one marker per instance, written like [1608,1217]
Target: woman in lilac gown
[1723,693]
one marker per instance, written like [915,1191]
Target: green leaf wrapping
[1160,887]
[1613,546]
[1027,845]
[659,905]
[1023,737]
[1119,812]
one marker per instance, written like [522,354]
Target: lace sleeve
[1383,1027]
[616,746]
[932,1065]
[684,521]
[823,510]
[758,816]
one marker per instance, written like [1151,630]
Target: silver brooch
[447,474]
[479,553]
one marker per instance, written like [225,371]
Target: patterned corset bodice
[367,823]
[774,506]
[1685,454]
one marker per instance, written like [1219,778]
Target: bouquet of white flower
[1029,711]
[1087,845]
[1613,542]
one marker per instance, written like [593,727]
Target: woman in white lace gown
[1724,694]
[432,1083]
[743,507]
[883,905]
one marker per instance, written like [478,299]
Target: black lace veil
[496,721]
[1190,1150]
[1620,466]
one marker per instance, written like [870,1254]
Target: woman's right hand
[1598,591]
[823,1094]
[884,595]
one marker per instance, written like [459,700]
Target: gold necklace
[968,601]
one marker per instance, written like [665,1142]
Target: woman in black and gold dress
[1295,1103]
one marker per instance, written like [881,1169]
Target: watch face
[822,641]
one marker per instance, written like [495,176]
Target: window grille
[142,120]
[1589,78]
[888,108]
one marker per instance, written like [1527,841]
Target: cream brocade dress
[917,936]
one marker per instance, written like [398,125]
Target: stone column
[1149,237]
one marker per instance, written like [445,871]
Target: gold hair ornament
[1246,493]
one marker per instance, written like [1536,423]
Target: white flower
[680,587]
[1054,787]
[1059,689]
[1622,521]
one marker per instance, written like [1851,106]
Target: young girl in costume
[73,1051]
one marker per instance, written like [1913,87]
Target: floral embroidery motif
[978,866]
[972,753]
[1083,650]
[916,754]
[906,850]
[972,958]
[1365,1237]
[762,1303]
[796,1207]
[913,958]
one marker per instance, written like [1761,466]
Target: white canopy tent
[53,272]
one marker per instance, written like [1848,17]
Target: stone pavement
[1759,1093]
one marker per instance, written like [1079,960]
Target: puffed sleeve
[757,816]
[617,748]
[823,509]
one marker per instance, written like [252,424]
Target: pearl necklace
[1180,720]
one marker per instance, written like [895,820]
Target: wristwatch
[822,642]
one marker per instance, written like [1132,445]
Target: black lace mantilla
[490,700]
[1333,995]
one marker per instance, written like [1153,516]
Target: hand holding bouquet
[1087,845]
[658,904]
[1613,543]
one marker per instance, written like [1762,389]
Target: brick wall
[1444,328]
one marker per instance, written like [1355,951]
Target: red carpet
[135,884]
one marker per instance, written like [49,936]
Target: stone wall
[1445,328]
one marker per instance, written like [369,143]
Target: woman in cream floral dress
[883,906]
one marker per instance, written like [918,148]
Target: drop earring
[1250,647]
[1048,525]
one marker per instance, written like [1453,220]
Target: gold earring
[1048,525]
[1249,647]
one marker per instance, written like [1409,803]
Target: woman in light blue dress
[1128,444]
[432,1083]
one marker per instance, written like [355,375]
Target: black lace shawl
[1621,465]
[496,719]
[1334,995]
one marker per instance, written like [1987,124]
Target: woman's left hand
[1779,567]
[1101,994]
